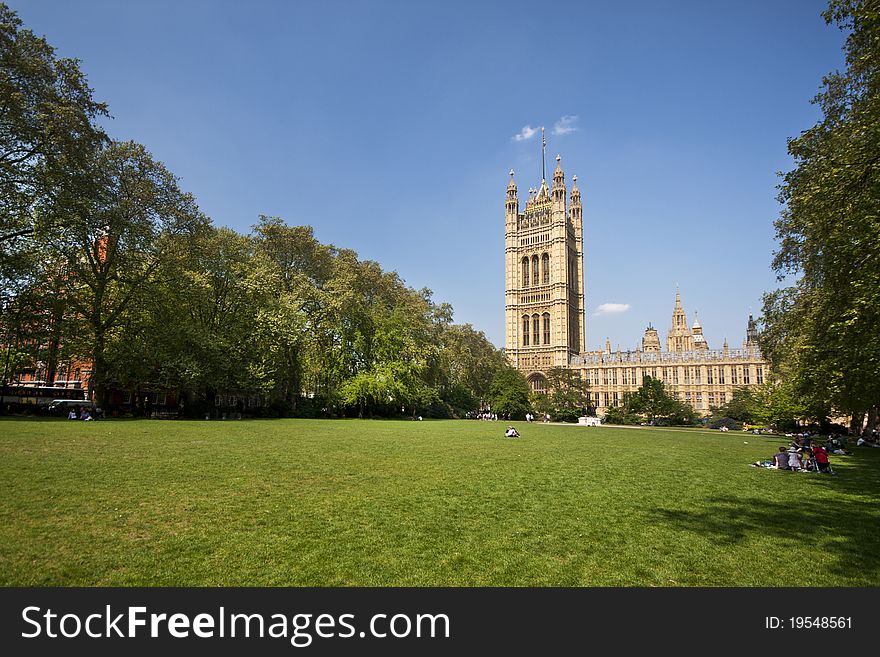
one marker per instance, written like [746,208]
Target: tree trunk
[872,418]
[54,342]
[97,383]
[855,424]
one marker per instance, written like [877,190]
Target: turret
[700,343]
[651,340]
[752,332]
[679,337]
[558,183]
[511,206]
[576,212]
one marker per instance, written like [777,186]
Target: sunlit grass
[357,503]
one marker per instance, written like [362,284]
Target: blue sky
[390,128]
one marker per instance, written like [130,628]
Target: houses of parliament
[544,315]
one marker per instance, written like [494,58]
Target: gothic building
[544,315]
[544,295]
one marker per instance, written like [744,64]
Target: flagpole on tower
[543,146]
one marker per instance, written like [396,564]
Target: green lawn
[373,503]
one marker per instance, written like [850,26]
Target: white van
[66,404]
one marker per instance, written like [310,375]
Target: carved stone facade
[544,312]
[544,296]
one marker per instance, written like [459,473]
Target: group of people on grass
[802,456]
[84,414]
[871,439]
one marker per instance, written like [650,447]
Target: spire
[607,346]
[543,193]
[697,324]
[679,337]
[512,203]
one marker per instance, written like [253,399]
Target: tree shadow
[845,530]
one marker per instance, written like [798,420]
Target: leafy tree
[744,405]
[621,414]
[47,131]
[467,362]
[119,240]
[509,394]
[568,398]
[651,403]
[821,331]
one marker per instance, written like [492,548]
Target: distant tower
[544,294]
[651,341]
[751,333]
[679,337]
[700,343]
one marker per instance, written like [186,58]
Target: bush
[728,422]
[620,415]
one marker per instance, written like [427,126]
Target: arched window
[546,328]
[536,280]
[538,383]
[545,265]
[525,330]
[525,272]
[536,328]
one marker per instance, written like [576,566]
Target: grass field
[357,503]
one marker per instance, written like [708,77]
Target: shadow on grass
[841,533]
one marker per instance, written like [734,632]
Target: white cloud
[611,309]
[526,133]
[565,125]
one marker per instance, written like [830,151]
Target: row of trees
[821,330]
[103,257]
[651,404]
[770,405]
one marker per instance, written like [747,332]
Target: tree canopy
[568,397]
[48,132]
[821,330]
[509,394]
[651,404]
[105,258]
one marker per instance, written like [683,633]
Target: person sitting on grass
[794,460]
[511,433]
[821,457]
[780,459]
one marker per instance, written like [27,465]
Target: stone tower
[544,273]
[651,341]
[700,343]
[751,333]
[679,337]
